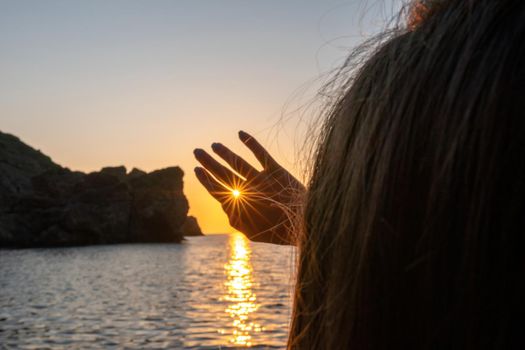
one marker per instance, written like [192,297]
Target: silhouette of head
[414,225]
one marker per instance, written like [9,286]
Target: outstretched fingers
[237,163]
[218,191]
[258,150]
[219,171]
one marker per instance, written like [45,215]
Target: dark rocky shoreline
[44,205]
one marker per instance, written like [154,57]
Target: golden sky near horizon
[142,83]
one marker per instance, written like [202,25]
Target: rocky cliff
[191,227]
[44,204]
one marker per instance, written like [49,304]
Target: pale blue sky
[141,83]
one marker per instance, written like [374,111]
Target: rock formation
[191,227]
[44,204]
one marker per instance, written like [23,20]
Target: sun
[236,193]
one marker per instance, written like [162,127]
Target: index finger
[258,151]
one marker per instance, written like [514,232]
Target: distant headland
[44,204]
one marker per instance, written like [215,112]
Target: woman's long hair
[414,226]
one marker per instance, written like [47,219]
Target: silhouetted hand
[259,204]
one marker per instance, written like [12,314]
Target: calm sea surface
[211,292]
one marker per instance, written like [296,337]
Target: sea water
[216,291]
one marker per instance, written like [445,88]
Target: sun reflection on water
[242,301]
